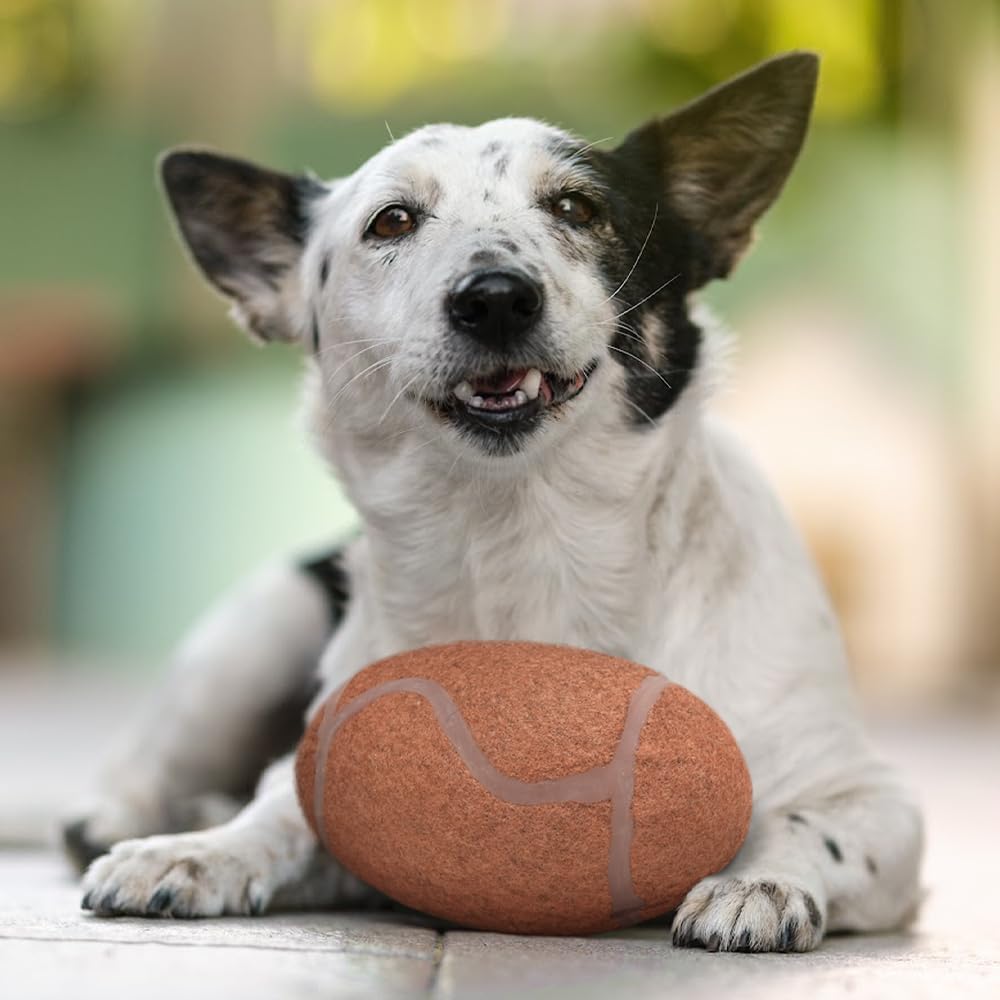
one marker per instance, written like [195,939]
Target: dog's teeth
[477,401]
[530,383]
[464,391]
[520,398]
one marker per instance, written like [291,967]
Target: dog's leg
[237,868]
[235,701]
[847,863]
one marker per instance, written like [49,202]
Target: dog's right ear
[245,227]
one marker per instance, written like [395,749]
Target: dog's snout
[495,307]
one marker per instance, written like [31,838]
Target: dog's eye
[396,220]
[574,209]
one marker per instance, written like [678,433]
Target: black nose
[495,307]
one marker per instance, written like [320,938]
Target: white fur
[661,545]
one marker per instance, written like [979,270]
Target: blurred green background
[149,455]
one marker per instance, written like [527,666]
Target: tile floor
[52,725]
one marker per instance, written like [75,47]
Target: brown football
[522,787]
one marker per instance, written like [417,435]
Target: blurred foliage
[91,90]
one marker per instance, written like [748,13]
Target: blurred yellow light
[844,33]
[454,30]
[361,52]
[693,27]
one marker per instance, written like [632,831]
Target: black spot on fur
[509,245]
[796,818]
[500,165]
[815,917]
[315,334]
[488,196]
[491,149]
[834,848]
[870,865]
[324,270]
[328,571]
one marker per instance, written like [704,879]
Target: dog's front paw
[183,875]
[745,914]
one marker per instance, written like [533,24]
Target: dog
[507,371]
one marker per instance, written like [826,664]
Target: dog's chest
[533,565]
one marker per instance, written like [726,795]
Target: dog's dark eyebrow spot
[315,334]
[796,818]
[870,864]
[834,848]
[324,270]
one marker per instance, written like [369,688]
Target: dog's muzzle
[496,308]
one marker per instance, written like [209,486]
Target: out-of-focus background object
[149,456]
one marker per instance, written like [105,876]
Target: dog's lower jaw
[500,424]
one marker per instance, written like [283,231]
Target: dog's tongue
[496,385]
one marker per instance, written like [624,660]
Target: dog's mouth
[512,400]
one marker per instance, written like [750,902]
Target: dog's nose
[495,307]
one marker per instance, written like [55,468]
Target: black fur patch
[796,818]
[324,270]
[645,281]
[870,865]
[328,571]
[834,848]
[315,334]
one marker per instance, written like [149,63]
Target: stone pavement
[50,728]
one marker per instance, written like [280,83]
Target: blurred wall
[148,456]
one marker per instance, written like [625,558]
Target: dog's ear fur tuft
[245,227]
[725,156]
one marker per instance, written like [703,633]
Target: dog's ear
[724,157]
[245,227]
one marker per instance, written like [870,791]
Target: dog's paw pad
[749,915]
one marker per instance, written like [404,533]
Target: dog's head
[497,283]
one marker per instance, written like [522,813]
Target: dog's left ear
[724,157]
[245,227]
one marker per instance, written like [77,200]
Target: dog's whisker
[396,397]
[645,364]
[344,364]
[348,343]
[640,410]
[655,291]
[649,233]
[375,366]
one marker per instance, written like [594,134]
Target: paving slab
[40,900]
[75,970]
[53,726]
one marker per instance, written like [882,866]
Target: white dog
[504,372]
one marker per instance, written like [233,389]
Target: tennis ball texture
[523,787]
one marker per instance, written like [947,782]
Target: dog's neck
[566,546]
